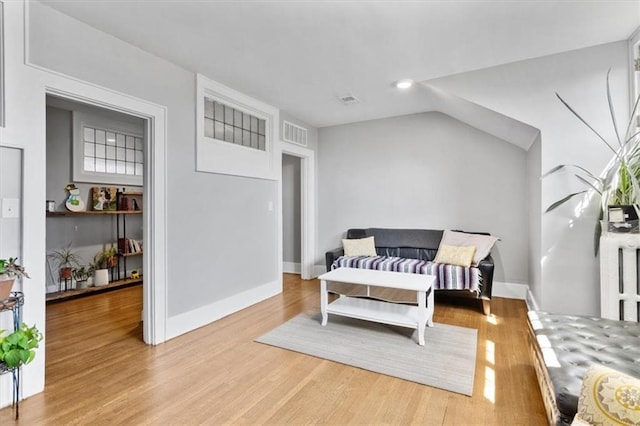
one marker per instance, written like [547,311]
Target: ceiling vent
[349,99]
[294,134]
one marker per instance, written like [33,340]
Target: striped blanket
[448,277]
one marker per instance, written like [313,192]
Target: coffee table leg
[430,307]
[324,298]
[422,316]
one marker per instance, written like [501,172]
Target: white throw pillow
[482,243]
[359,247]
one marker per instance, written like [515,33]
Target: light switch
[10,208]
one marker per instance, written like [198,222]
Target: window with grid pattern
[225,123]
[112,152]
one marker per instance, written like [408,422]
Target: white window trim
[82,119]
[217,156]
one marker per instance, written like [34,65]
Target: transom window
[228,124]
[112,152]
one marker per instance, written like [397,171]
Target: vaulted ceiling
[301,55]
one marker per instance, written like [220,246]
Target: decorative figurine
[74,203]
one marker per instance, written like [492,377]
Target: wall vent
[349,99]
[294,134]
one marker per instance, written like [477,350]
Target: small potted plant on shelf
[82,275]
[18,348]
[66,260]
[103,261]
[9,271]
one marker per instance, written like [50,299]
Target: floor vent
[294,134]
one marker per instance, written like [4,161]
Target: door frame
[154,313]
[307,208]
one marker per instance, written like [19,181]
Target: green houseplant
[67,260]
[103,260]
[618,183]
[9,271]
[18,348]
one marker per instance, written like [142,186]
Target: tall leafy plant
[618,183]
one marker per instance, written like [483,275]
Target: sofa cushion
[448,277]
[455,255]
[359,247]
[608,397]
[482,243]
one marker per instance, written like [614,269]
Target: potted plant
[18,348]
[618,184]
[9,271]
[66,260]
[82,275]
[103,261]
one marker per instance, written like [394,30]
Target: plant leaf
[562,201]
[587,124]
[563,166]
[589,183]
[611,111]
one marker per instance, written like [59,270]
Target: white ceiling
[301,55]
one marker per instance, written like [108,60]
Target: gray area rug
[446,361]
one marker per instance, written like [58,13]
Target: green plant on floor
[83,273]
[18,348]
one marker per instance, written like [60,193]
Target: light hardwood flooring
[98,371]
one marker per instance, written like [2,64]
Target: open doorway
[95,199]
[298,179]
[291,215]
[154,183]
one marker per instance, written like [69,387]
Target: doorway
[153,215]
[292,157]
[291,215]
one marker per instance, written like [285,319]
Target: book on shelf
[129,246]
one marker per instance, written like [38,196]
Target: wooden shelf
[71,294]
[93,212]
[132,193]
[130,254]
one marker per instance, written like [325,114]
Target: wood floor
[98,371]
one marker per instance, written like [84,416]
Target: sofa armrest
[486,267]
[332,255]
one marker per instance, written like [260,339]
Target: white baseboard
[509,290]
[532,304]
[291,267]
[189,321]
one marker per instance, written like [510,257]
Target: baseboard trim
[509,290]
[189,321]
[291,267]
[318,270]
[532,304]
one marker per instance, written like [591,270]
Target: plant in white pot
[9,271]
[103,261]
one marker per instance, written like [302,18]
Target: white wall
[525,91]
[424,171]
[534,187]
[211,218]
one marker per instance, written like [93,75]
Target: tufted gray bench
[565,346]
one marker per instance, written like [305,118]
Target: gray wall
[424,171]
[87,234]
[534,160]
[291,209]
[211,219]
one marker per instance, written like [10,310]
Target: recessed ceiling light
[405,83]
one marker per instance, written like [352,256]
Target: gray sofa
[419,244]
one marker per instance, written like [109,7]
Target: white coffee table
[416,317]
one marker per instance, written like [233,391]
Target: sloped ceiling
[302,55]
